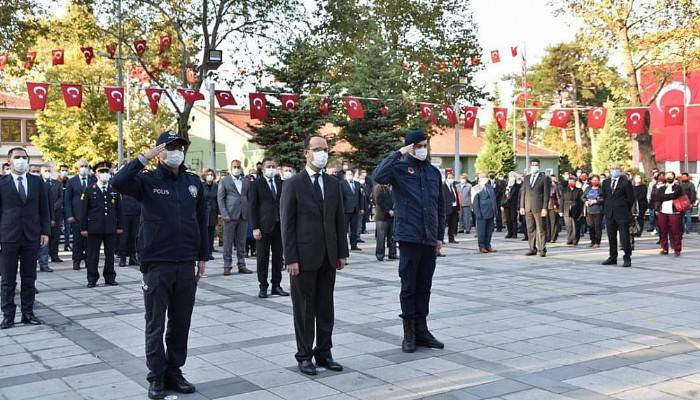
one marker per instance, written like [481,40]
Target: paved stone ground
[515,328]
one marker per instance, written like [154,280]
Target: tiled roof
[13,102]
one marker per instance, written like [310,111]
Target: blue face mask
[615,173]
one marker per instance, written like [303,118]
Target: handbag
[681,203]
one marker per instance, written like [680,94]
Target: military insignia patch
[193,190]
[411,171]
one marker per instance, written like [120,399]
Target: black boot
[423,336]
[409,336]
[122,261]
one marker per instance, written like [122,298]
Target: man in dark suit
[131,214]
[74,189]
[452,205]
[534,196]
[618,198]
[315,246]
[55,191]
[354,203]
[264,199]
[509,205]
[24,227]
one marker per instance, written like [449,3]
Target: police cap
[168,137]
[102,166]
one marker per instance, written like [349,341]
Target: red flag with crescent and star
[469,116]
[289,101]
[500,114]
[531,116]
[560,118]
[153,96]
[495,57]
[673,115]
[514,51]
[140,46]
[354,107]
[596,117]
[165,42]
[72,95]
[115,98]
[29,61]
[88,53]
[38,94]
[190,95]
[57,57]
[225,98]
[450,114]
[324,106]
[111,50]
[258,106]
[427,112]
[635,120]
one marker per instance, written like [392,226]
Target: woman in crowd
[668,219]
[210,188]
[593,208]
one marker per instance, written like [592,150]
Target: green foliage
[572,156]
[612,144]
[19,25]
[497,155]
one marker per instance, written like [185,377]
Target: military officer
[101,224]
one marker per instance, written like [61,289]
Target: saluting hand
[152,153]
[406,149]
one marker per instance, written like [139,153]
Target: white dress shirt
[311,173]
[238,181]
[24,182]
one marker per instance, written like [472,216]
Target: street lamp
[213,60]
[452,97]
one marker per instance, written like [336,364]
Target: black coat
[130,206]
[618,203]
[511,201]
[102,212]
[353,202]
[660,195]
[571,202]
[210,193]
[264,207]
[55,191]
[640,196]
[24,220]
[450,198]
[71,203]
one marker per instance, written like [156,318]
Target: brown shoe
[491,250]
[483,250]
[663,252]
[244,270]
[227,271]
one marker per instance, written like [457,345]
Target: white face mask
[449,181]
[534,169]
[286,175]
[236,171]
[270,172]
[638,180]
[46,175]
[349,178]
[174,158]
[483,181]
[421,153]
[21,165]
[463,181]
[362,181]
[104,177]
[209,178]
[320,159]
[64,174]
[84,171]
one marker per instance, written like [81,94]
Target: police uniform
[131,213]
[173,237]
[101,210]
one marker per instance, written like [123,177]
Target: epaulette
[146,171]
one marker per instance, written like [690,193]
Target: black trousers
[452,221]
[595,227]
[499,219]
[511,218]
[211,230]
[79,243]
[94,241]
[312,304]
[614,225]
[168,290]
[127,239]
[270,242]
[385,238]
[536,235]
[351,220]
[54,238]
[416,268]
[25,253]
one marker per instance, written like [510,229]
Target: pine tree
[497,155]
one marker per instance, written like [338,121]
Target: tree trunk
[563,135]
[183,122]
[577,129]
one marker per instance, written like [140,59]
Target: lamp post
[214,59]
[452,98]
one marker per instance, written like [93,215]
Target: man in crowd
[571,209]
[25,215]
[509,206]
[485,205]
[452,205]
[618,198]
[465,197]
[420,229]
[553,210]
[287,172]
[315,246]
[384,220]
[6,170]
[689,190]
[233,206]
[499,187]
[72,206]
[265,221]
[63,223]
[131,214]
[55,191]
[367,185]
[354,203]
[534,198]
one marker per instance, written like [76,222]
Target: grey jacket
[233,204]
[465,194]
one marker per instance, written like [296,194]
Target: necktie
[317,187]
[20,187]
[274,191]
[614,184]
[532,180]
[352,187]
[84,183]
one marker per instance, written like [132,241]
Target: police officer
[131,212]
[101,223]
[173,238]
[419,212]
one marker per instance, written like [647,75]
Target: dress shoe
[122,261]
[423,336]
[393,258]
[531,253]
[507,237]
[76,266]
[56,260]
[483,250]
[543,254]
[609,261]
[355,248]
[491,249]
[278,291]
[329,364]
[132,261]
[210,257]
[244,270]
[262,293]
[408,345]
[306,367]
[360,240]
[30,319]
[91,285]
[627,263]
[523,239]
[36,291]
[380,258]
[45,268]
[227,271]
[591,245]
[178,383]
[440,255]
[156,389]
[67,248]
[595,246]
[7,322]
[112,283]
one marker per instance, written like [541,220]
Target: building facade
[17,126]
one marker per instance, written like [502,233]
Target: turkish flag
[560,118]
[190,95]
[531,116]
[354,107]
[31,58]
[289,101]
[636,121]
[57,57]
[495,57]
[325,107]
[190,75]
[514,51]
[450,114]
[72,95]
[38,94]
[469,116]
[384,111]
[475,60]
[225,98]
[3,60]
[140,47]
[674,115]
[596,117]
[88,53]
[115,98]
[111,49]
[258,106]
[153,95]
[500,114]
[426,111]
[165,42]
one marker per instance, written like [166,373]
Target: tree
[612,144]
[19,24]
[497,155]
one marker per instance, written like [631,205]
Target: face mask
[615,173]
[572,184]
[637,180]
[104,177]
[595,183]
[362,181]
[421,154]
[209,178]
[21,165]
[46,175]
[483,181]
[7,171]
[84,171]
[286,175]
[64,174]
[511,181]
[174,158]
[449,181]
[578,174]
[270,172]
[534,169]
[566,177]
[349,179]
[463,181]
[669,180]
[236,172]
[320,159]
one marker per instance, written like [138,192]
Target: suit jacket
[72,196]
[450,198]
[384,203]
[55,191]
[211,193]
[233,204]
[28,220]
[102,213]
[617,203]
[511,200]
[264,207]
[353,202]
[535,197]
[312,231]
[485,203]
[571,202]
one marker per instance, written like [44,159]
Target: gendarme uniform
[101,210]
[173,237]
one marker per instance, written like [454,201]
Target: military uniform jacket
[102,211]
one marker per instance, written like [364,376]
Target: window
[10,130]
[31,129]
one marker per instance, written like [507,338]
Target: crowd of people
[169,220]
